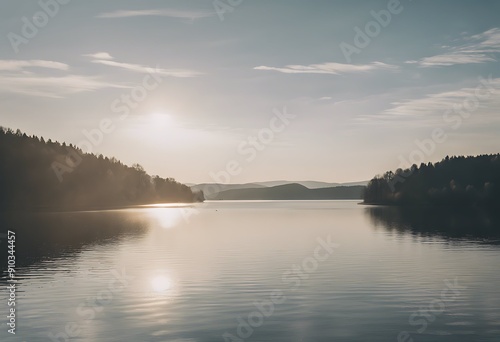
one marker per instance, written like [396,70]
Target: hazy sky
[359,101]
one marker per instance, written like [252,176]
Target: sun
[160,119]
[161,283]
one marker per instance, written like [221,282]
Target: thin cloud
[433,106]
[475,49]
[100,55]
[19,65]
[52,87]
[455,58]
[329,68]
[145,69]
[16,78]
[171,13]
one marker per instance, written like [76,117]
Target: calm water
[318,270]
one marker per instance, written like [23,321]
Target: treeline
[35,173]
[454,181]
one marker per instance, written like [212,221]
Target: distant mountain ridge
[210,190]
[214,188]
[310,184]
[292,191]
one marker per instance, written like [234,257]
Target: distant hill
[455,181]
[307,184]
[310,184]
[210,189]
[292,191]
[363,183]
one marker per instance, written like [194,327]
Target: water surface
[198,273]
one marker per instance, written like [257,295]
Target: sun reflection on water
[166,217]
[161,284]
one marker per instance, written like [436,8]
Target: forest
[454,181]
[35,173]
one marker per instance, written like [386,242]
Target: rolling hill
[292,191]
[210,189]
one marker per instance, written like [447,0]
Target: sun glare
[160,119]
[161,283]
[167,217]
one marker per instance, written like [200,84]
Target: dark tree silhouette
[38,174]
[453,181]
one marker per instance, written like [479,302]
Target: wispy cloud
[107,60]
[16,79]
[52,87]
[329,68]
[474,49]
[453,58]
[433,106]
[19,65]
[171,13]
[100,55]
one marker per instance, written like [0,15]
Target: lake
[255,271]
